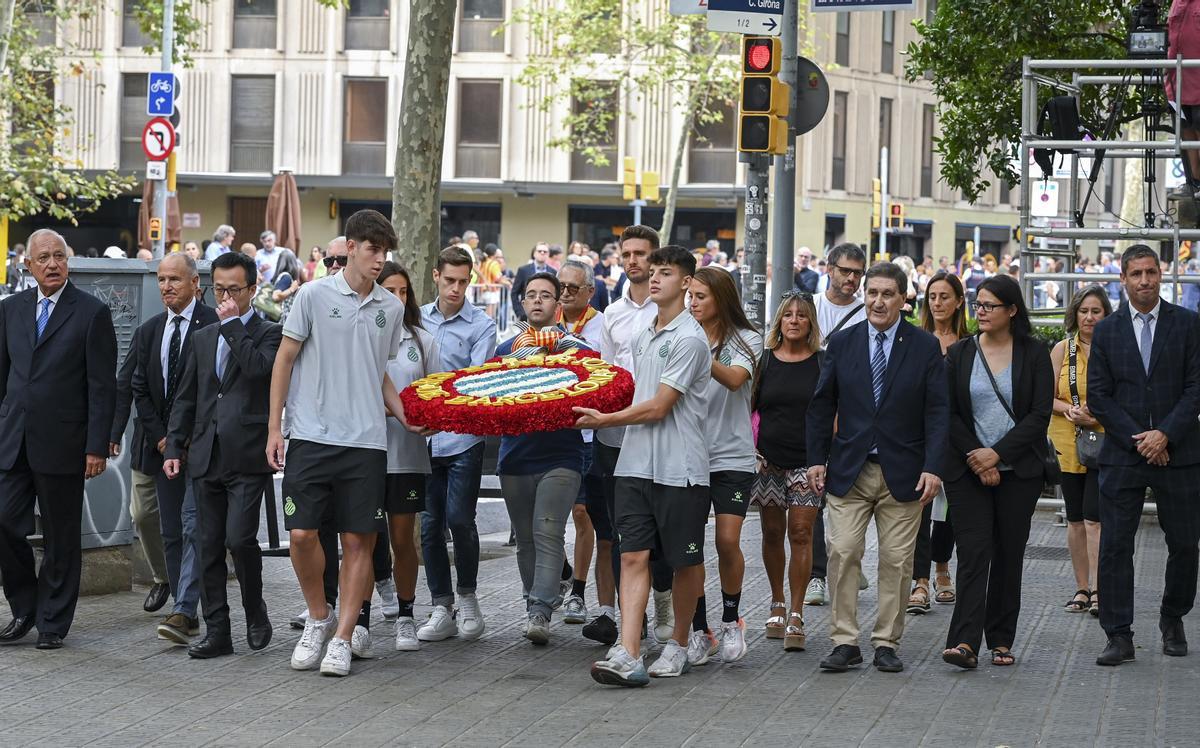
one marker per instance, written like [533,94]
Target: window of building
[888,50]
[598,97]
[478,25]
[131,31]
[252,123]
[927,151]
[254,24]
[39,17]
[838,168]
[713,155]
[133,119]
[368,24]
[1005,191]
[479,123]
[885,135]
[841,53]
[364,139]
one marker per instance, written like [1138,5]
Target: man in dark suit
[162,345]
[218,426]
[805,278]
[58,366]
[884,461]
[1144,388]
[538,264]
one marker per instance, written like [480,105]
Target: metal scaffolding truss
[1034,78]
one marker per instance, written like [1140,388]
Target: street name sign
[755,17]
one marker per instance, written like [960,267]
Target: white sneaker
[672,662]
[537,629]
[360,643]
[301,618]
[440,625]
[664,617]
[391,604]
[472,618]
[817,593]
[307,653]
[337,658]
[406,635]
[702,645]
[733,640]
[575,610]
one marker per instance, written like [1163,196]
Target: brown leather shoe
[177,628]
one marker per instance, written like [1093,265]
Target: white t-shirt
[829,315]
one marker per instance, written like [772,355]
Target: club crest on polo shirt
[335,313]
[664,349]
[380,319]
[726,359]
[289,506]
[412,353]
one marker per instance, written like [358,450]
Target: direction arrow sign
[160,94]
[758,17]
[158,139]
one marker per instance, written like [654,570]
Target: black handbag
[1051,470]
[1087,441]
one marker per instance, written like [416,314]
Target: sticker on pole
[158,139]
[757,17]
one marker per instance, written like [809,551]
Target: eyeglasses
[852,272]
[219,291]
[802,295]
[571,288]
[542,296]
[986,308]
[338,259]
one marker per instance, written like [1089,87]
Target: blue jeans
[453,492]
[539,506]
[177,518]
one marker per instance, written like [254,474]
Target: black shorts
[730,491]
[668,520]
[338,488]
[405,493]
[1081,494]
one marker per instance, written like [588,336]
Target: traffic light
[629,189]
[896,216]
[876,202]
[650,186]
[764,101]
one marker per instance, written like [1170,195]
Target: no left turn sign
[158,139]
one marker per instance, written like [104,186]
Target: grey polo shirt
[731,442]
[418,357]
[674,451]
[336,393]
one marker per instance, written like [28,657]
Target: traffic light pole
[754,275]
[783,229]
[885,210]
[158,246]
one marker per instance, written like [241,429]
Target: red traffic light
[760,55]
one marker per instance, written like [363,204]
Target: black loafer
[1173,639]
[49,641]
[842,658]
[157,597]
[214,644]
[16,630]
[258,634]
[1119,650]
[886,660]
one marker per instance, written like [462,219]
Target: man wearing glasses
[336,256]
[218,426]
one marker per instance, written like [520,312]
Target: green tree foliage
[972,52]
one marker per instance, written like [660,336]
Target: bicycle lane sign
[160,94]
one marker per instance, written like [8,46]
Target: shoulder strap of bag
[992,379]
[1072,371]
[845,319]
[759,370]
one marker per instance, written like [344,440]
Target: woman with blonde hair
[784,383]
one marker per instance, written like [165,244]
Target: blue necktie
[43,317]
[878,366]
[1147,340]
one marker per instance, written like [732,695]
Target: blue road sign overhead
[160,94]
[845,5]
[755,17]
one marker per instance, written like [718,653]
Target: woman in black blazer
[994,467]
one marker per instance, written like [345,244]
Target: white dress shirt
[37,309]
[168,329]
[223,347]
[1137,324]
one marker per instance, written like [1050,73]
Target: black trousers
[935,543]
[819,554]
[1122,493]
[49,596]
[661,575]
[227,516]
[991,524]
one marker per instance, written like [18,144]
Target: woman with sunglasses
[1001,393]
[944,314]
[784,383]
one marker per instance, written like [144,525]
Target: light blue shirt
[223,347]
[215,250]
[889,340]
[467,338]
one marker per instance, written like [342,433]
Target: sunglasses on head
[339,259]
[803,295]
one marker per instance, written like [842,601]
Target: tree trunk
[416,191]
[1133,197]
[689,118]
[6,20]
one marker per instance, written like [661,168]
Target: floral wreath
[508,396]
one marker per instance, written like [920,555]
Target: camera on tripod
[1147,33]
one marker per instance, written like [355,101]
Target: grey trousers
[143,508]
[539,506]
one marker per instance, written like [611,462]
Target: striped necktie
[878,366]
[43,317]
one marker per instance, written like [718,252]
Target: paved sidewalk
[115,684]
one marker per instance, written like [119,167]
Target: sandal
[1003,657]
[1094,608]
[944,593]
[794,638]
[1075,605]
[962,656]
[918,599]
[775,624]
